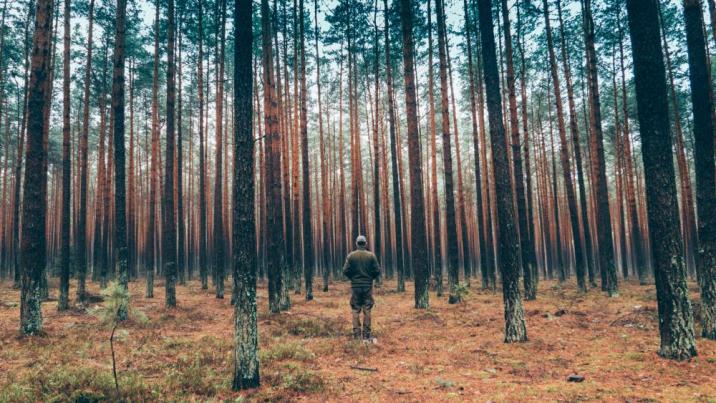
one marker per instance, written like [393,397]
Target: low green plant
[117,309]
[73,383]
[302,380]
[286,351]
[313,327]
[193,378]
[459,293]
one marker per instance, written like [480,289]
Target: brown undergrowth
[448,352]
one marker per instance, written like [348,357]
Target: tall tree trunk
[528,250]
[203,262]
[377,247]
[81,248]
[326,251]
[509,250]
[419,258]
[154,177]
[63,302]
[712,14]
[20,150]
[273,165]
[564,156]
[308,258]
[181,225]
[675,317]
[522,216]
[450,222]
[434,199]
[120,197]
[634,225]
[33,255]
[219,242]
[131,207]
[479,190]
[246,359]
[598,164]
[169,246]
[397,201]
[702,102]
[101,194]
[687,204]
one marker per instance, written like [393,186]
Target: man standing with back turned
[361,268]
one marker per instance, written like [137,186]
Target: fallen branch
[114,362]
[359,368]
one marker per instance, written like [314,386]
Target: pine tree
[33,253]
[169,223]
[273,165]
[395,173]
[509,247]
[308,253]
[702,102]
[63,302]
[419,253]
[564,157]
[246,362]
[598,164]
[675,315]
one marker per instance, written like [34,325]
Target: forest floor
[448,352]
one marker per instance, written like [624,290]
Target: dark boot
[366,324]
[356,324]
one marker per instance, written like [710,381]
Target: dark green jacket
[361,268]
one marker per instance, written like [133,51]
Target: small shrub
[73,383]
[117,303]
[193,378]
[286,351]
[314,327]
[459,293]
[303,381]
[291,378]
[634,356]
[357,348]
[444,383]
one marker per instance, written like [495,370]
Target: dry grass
[449,352]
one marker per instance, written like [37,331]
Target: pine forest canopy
[483,144]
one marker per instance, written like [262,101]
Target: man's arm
[375,268]
[347,267]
